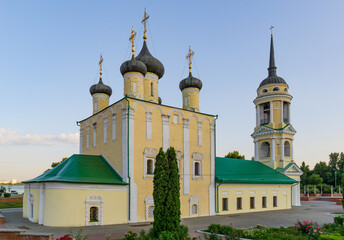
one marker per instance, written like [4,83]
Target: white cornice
[272,96]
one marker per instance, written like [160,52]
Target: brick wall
[15,234]
[10,199]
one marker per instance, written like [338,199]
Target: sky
[49,53]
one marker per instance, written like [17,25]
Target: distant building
[111,180]
[12,181]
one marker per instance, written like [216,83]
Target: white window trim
[94,201]
[94,134]
[149,202]
[149,153]
[113,127]
[105,130]
[195,200]
[197,157]
[31,207]
[179,156]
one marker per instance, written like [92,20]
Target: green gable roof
[82,169]
[285,168]
[230,170]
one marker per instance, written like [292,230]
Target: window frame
[239,203]
[252,203]
[224,204]
[264,202]
[275,201]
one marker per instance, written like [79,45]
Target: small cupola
[190,88]
[100,92]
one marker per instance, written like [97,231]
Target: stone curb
[220,235]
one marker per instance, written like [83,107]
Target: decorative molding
[177,111]
[272,97]
[81,140]
[186,148]
[105,130]
[165,131]
[211,188]
[141,103]
[239,192]
[149,125]
[195,200]
[148,153]
[114,127]
[252,192]
[263,131]
[200,138]
[84,186]
[94,134]
[149,202]
[87,137]
[94,201]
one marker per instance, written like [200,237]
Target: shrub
[7,195]
[332,236]
[165,235]
[130,235]
[212,237]
[309,228]
[338,220]
[182,232]
[65,237]
[214,228]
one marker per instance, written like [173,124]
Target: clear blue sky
[49,52]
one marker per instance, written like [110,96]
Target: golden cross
[144,21]
[132,36]
[101,65]
[271,27]
[188,56]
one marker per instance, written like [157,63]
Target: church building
[111,180]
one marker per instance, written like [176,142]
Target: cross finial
[101,66]
[132,36]
[271,27]
[188,56]
[144,21]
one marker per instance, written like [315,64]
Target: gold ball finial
[144,21]
[101,66]
[132,37]
[271,27]
[188,56]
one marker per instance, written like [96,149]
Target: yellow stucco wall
[191,99]
[245,191]
[100,101]
[151,79]
[130,80]
[112,149]
[67,207]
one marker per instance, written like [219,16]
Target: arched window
[194,209]
[286,112]
[94,214]
[151,211]
[197,169]
[150,166]
[134,88]
[265,150]
[276,89]
[264,90]
[265,113]
[287,149]
[152,92]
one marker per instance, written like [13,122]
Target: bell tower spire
[272,68]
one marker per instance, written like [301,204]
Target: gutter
[217,198]
[126,98]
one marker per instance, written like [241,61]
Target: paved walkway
[318,211]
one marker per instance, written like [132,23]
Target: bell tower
[274,134]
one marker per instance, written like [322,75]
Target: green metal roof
[285,168]
[82,169]
[230,170]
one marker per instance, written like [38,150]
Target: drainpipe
[217,197]
[126,98]
[216,188]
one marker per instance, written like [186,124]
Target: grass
[16,204]
[341,213]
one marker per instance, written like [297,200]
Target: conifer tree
[160,181]
[173,193]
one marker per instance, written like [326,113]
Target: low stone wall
[17,234]
[338,201]
[2,219]
[10,199]
[308,198]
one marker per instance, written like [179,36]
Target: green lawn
[16,204]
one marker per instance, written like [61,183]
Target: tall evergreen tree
[173,194]
[160,191]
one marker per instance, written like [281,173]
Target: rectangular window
[275,201]
[263,202]
[224,204]
[152,92]
[175,119]
[197,169]
[134,87]
[252,204]
[239,203]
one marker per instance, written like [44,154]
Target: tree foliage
[166,193]
[315,179]
[334,158]
[54,164]
[160,182]
[173,195]
[235,154]
[305,169]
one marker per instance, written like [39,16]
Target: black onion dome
[190,81]
[153,65]
[133,65]
[100,87]
[272,79]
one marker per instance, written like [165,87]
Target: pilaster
[186,143]
[165,131]
[149,125]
